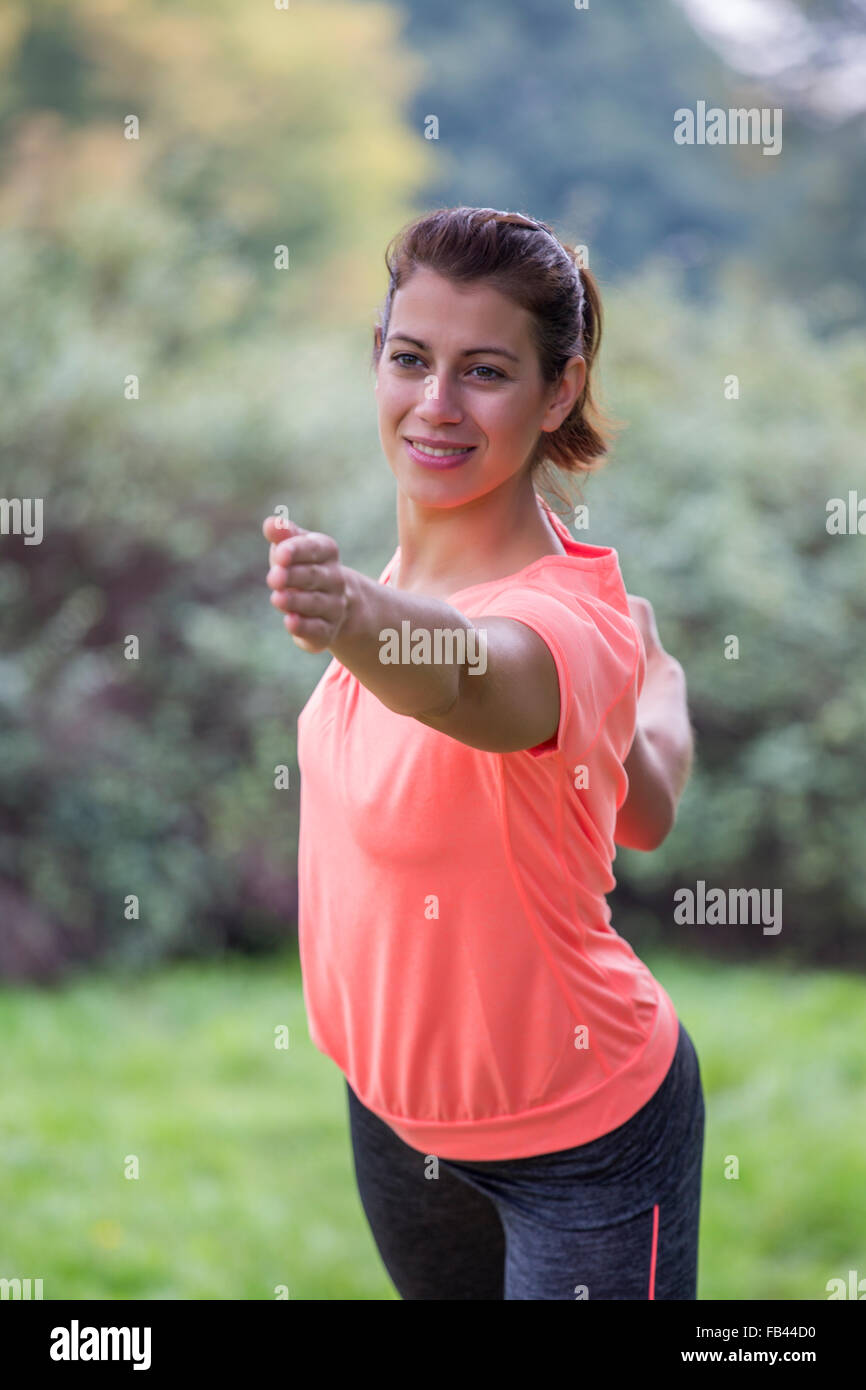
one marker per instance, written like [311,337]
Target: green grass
[245,1170]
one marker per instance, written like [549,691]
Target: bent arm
[660,759]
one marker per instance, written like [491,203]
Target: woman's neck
[446,549]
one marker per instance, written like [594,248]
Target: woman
[526,1109]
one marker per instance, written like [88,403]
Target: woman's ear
[567,392]
[576,367]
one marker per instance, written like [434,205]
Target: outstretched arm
[507,702]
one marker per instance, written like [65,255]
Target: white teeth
[438,453]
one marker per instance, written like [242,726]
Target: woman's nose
[440,401]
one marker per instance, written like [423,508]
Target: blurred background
[169,378]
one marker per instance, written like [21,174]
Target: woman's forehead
[432,301]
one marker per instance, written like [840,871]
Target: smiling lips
[438,453]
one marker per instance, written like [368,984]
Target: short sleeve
[598,654]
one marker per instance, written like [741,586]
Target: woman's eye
[495,374]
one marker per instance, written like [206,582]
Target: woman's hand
[307,583]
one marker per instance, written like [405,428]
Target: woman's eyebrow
[467,352]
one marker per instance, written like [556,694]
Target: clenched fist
[307,583]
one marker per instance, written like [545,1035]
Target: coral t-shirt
[458,961]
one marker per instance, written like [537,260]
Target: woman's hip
[653,1156]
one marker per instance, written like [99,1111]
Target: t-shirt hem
[548,1128]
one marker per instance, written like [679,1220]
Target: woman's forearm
[362,646]
[659,761]
[663,716]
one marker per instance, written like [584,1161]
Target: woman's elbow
[648,831]
[663,823]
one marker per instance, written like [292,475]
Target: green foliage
[568,114]
[257,128]
[718,509]
[155,777]
[164,391]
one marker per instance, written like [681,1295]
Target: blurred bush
[155,776]
[718,508]
[154,259]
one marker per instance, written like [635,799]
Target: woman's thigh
[651,1255]
[616,1218]
[439,1237]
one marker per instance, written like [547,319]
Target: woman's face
[459,372]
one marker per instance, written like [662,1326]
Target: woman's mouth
[443,454]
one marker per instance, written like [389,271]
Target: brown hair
[527,261]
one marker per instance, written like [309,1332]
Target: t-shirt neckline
[580,556]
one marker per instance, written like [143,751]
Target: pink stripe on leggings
[652,1283]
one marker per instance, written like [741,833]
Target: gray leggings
[613,1219]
